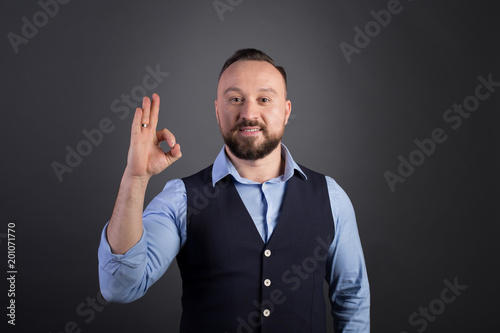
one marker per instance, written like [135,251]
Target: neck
[260,170]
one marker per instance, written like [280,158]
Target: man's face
[251,108]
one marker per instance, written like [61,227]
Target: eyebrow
[264,89]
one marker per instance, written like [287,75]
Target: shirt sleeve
[124,278]
[349,288]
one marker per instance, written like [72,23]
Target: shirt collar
[223,167]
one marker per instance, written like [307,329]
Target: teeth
[252,130]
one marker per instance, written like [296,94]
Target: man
[254,234]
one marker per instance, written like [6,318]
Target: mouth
[250,130]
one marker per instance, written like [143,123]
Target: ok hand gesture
[145,156]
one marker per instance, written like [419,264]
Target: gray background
[350,121]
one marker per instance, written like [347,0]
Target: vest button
[267,282]
[267,253]
[266,313]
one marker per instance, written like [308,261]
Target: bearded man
[255,234]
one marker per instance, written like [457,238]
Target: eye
[265,99]
[236,99]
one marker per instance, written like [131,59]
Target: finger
[165,135]
[155,108]
[146,105]
[176,151]
[174,154]
[136,122]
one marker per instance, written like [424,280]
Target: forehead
[251,75]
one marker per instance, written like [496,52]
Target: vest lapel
[240,206]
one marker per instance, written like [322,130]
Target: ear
[217,112]
[288,110]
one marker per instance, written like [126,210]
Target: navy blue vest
[235,283]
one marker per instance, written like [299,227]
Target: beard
[245,148]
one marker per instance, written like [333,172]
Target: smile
[251,130]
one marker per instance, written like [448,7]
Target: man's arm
[129,260]
[348,280]
[124,278]
[145,159]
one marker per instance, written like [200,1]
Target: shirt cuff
[133,258]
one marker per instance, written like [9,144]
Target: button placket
[267,282]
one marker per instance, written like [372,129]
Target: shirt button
[266,313]
[267,282]
[267,253]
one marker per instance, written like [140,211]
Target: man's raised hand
[145,156]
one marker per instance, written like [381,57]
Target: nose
[249,110]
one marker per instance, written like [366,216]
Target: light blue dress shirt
[125,278]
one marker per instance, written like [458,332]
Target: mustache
[248,123]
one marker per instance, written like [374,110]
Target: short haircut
[255,55]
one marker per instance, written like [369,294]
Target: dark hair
[252,54]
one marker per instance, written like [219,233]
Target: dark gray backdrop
[350,120]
